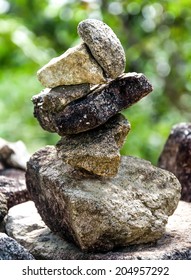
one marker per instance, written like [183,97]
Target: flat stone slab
[61,110]
[96,150]
[100,214]
[26,226]
[102,103]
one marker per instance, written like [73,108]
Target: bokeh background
[156,36]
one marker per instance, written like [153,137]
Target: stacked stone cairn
[83,189]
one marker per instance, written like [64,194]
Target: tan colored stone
[75,66]
[97,150]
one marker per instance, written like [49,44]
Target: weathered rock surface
[27,227]
[176,157]
[75,66]
[11,250]
[97,150]
[13,154]
[100,214]
[50,102]
[14,190]
[23,219]
[3,206]
[104,46]
[14,173]
[102,103]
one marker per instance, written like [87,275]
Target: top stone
[104,46]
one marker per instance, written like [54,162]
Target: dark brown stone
[91,110]
[103,103]
[14,189]
[50,102]
[176,157]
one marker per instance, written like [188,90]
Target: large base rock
[99,214]
[26,226]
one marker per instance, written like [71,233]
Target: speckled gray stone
[75,66]
[10,249]
[101,214]
[50,102]
[97,150]
[102,103]
[104,46]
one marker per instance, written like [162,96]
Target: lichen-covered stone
[97,150]
[75,66]
[176,157]
[104,46]
[101,214]
[102,103]
[50,102]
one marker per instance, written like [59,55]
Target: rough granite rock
[14,190]
[97,150]
[101,214]
[176,157]
[3,206]
[11,250]
[13,154]
[102,103]
[50,102]
[26,226]
[75,66]
[104,46]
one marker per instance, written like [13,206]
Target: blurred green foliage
[156,37]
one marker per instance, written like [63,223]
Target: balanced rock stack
[82,188]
